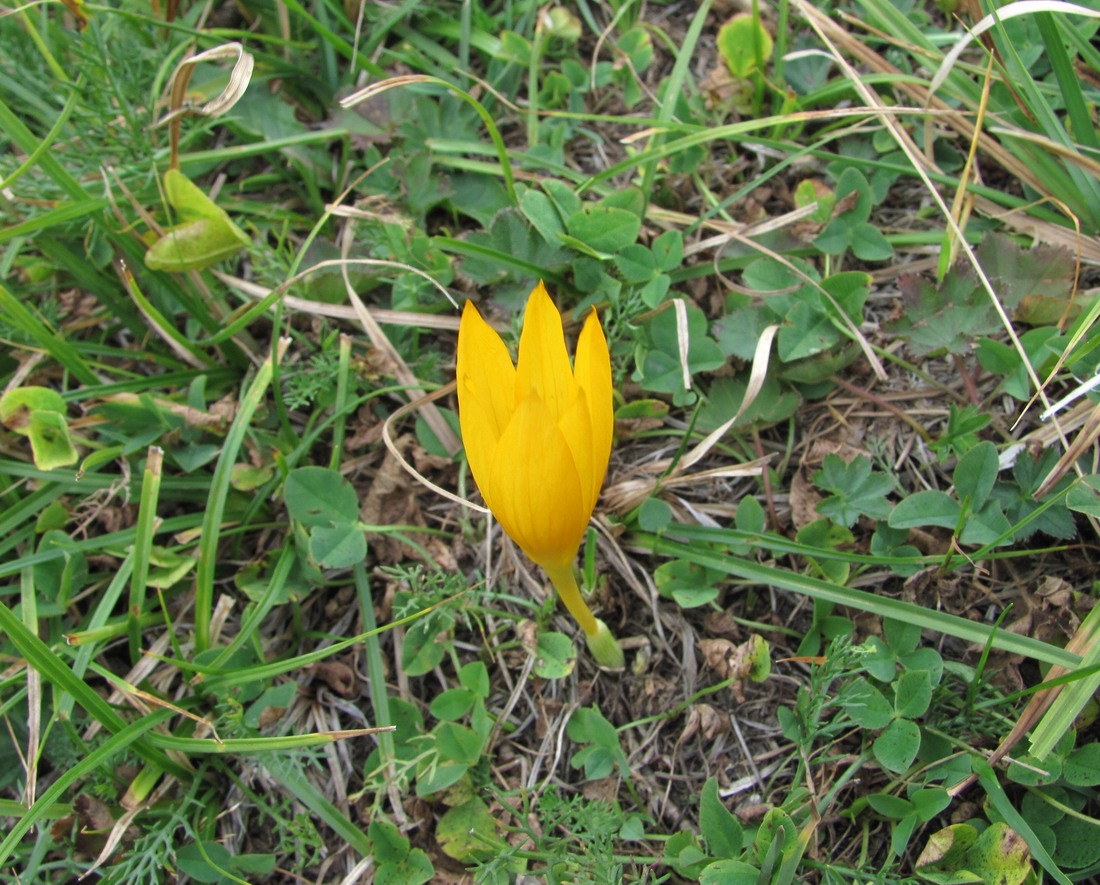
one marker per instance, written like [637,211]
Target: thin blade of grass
[219,492]
[39,656]
[987,777]
[941,622]
[1071,700]
[131,735]
[51,342]
[292,778]
[143,546]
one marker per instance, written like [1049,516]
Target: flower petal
[486,381]
[480,443]
[543,366]
[536,491]
[593,375]
[576,427]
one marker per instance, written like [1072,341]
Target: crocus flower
[538,438]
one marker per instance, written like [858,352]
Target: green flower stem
[565,582]
[605,647]
[601,642]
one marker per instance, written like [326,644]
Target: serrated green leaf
[661,369]
[1023,277]
[512,248]
[775,402]
[948,316]
[857,491]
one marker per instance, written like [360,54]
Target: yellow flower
[538,437]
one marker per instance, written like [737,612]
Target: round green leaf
[654,515]
[556,656]
[467,831]
[912,693]
[1076,843]
[1000,855]
[740,41]
[719,827]
[51,446]
[1032,772]
[208,863]
[319,496]
[930,802]
[452,704]
[1082,767]
[421,653]
[474,676]
[340,546]
[892,807]
[897,746]
[606,229]
[866,704]
[729,872]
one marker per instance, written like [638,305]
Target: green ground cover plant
[256,621]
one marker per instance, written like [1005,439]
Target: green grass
[243,635]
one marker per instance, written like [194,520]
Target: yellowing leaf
[741,41]
[205,236]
